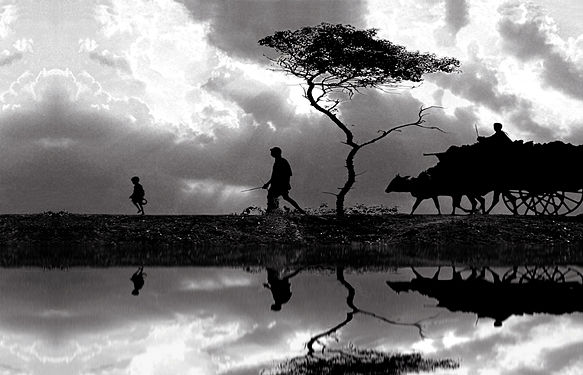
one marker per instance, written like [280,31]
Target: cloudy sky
[180,94]
[207,321]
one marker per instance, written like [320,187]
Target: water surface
[235,321]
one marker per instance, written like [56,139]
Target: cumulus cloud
[24,45]
[8,14]
[163,57]
[529,35]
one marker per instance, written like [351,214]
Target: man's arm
[266,185]
[288,167]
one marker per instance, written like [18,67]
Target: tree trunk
[350,180]
[349,142]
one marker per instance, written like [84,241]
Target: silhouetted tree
[354,310]
[337,61]
[355,360]
[358,361]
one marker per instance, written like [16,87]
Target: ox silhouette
[425,186]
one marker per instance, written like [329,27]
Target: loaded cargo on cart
[531,178]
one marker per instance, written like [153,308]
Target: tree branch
[420,120]
[349,136]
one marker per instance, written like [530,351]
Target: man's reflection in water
[138,280]
[280,287]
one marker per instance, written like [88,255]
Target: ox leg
[495,200]
[456,201]
[456,275]
[473,203]
[417,274]
[416,204]
[436,276]
[436,201]
[482,203]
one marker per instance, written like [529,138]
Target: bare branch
[418,324]
[418,123]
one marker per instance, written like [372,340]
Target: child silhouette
[137,196]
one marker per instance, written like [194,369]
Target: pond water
[525,320]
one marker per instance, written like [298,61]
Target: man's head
[135,179]
[275,152]
[497,126]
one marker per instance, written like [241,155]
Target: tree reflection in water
[355,360]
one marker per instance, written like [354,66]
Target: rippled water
[235,321]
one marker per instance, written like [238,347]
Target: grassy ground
[62,239]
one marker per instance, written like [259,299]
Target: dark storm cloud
[564,75]
[10,370]
[111,60]
[7,59]
[560,359]
[479,84]
[523,119]
[457,14]
[118,366]
[524,40]
[236,26]
[265,103]
[530,40]
[576,134]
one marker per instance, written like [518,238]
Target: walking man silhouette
[138,280]
[280,287]
[278,185]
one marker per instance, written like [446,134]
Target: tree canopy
[358,361]
[355,58]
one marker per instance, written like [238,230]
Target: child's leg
[137,206]
[140,207]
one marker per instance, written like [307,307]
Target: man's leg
[272,201]
[286,196]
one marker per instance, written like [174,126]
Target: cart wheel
[523,202]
